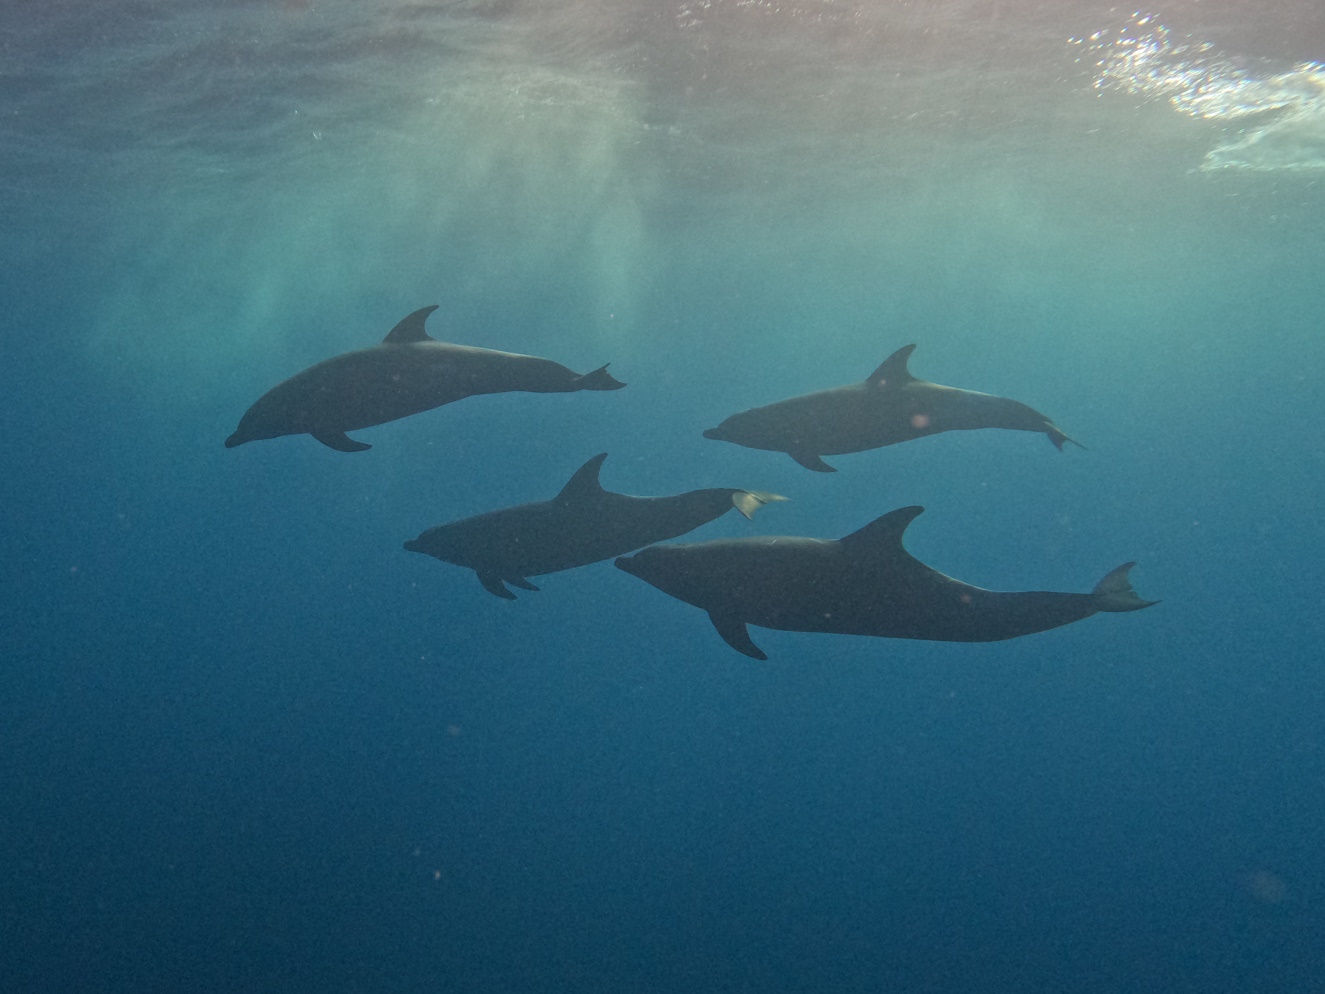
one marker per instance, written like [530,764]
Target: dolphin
[582,524]
[407,373]
[891,406]
[863,584]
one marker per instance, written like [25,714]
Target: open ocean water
[249,744]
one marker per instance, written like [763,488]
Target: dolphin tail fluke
[1059,437]
[341,442]
[599,379]
[1115,593]
[749,501]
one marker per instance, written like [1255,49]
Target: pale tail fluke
[749,501]
[1115,593]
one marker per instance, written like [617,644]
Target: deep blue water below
[248,743]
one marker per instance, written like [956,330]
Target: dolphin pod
[863,584]
[583,524]
[407,373]
[890,406]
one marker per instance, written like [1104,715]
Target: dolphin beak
[412,545]
[715,433]
[234,440]
[624,563]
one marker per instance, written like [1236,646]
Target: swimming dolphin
[407,373]
[583,524]
[891,406]
[864,584]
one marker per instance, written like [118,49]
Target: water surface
[250,744]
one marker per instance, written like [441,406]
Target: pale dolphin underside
[891,406]
[863,584]
[583,524]
[407,373]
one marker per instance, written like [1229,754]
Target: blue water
[250,744]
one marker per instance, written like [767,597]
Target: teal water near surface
[251,742]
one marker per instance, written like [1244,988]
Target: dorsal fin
[883,535]
[410,328]
[584,483]
[893,371]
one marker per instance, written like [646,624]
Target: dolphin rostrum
[407,373]
[891,406]
[583,524]
[863,584]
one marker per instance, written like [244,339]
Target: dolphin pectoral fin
[340,441]
[811,461]
[519,581]
[1115,593]
[749,501]
[599,379]
[493,585]
[736,635]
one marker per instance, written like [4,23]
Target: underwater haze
[249,743]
